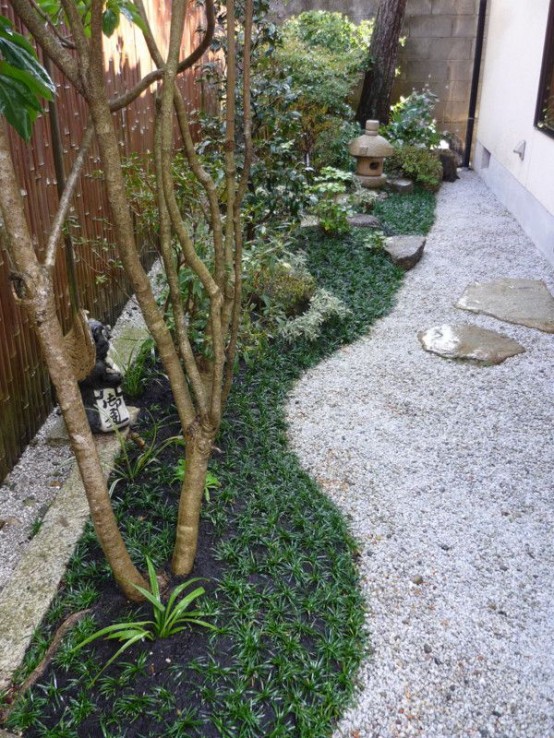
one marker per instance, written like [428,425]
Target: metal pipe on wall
[475,81]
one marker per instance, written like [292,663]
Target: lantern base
[371,182]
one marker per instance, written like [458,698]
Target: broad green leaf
[15,50]
[154,586]
[110,20]
[18,105]
[129,10]
[177,591]
[140,625]
[22,80]
[35,86]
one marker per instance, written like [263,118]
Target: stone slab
[33,583]
[124,346]
[405,251]
[27,596]
[364,221]
[470,343]
[521,301]
[403,186]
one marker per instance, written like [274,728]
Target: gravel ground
[445,471]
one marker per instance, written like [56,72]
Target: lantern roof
[370,144]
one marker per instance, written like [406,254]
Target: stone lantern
[370,150]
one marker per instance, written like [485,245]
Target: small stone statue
[101,390]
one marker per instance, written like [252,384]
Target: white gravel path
[446,473]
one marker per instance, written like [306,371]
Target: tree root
[16,691]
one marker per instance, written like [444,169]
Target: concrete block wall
[438,51]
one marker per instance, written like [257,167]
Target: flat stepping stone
[469,342]
[405,251]
[403,186]
[364,221]
[521,301]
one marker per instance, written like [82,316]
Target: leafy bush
[326,204]
[276,286]
[362,198]
[284,285]
[320,58]
[331,31]
[331,146]
[421,165]
[323,307]
[412,122]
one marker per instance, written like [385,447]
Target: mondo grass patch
[409,214]
[275,558]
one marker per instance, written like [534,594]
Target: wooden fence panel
[25,393]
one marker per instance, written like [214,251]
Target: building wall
[509,89]
[438,51]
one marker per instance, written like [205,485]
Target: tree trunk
[34,289]
[198,453]
[383,50]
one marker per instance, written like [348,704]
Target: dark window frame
[546,85]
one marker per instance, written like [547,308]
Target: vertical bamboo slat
[25,395]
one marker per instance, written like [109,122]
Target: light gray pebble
[455,463]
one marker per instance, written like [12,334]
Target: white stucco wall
[510,82]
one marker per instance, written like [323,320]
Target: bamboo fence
[25,392]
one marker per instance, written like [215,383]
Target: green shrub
[320,60]
[286,285]
[331,146]
[323,307]
[363,199]
[421,165]
[326,204]
[331,31]
[412,122]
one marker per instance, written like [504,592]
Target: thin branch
[76,27]
[155,76]
[246,101]
[184,126]
[248,155]
[65,201]
[192,258]
[65,42]
[185,348]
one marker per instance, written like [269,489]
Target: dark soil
[274,555]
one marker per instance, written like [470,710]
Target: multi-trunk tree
[200,384]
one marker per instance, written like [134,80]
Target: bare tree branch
[65,42]
[65,202]
[156,75]
[171,272]
[77,29]
[247,164]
